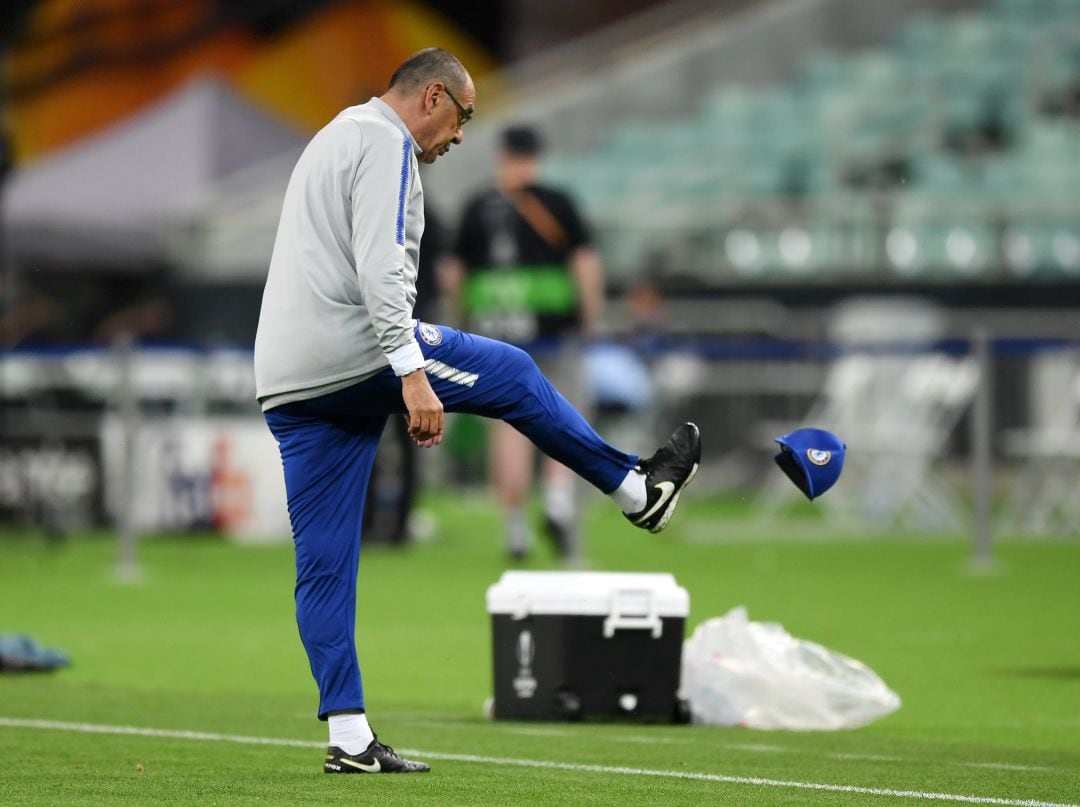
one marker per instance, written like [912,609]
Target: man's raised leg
[483,376]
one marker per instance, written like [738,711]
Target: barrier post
[127,566]
[982,418]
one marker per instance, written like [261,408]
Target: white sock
[350,732]
[630,494]
[559,504]
[518,534]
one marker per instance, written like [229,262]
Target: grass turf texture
[988,666]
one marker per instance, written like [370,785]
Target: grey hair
[426,66]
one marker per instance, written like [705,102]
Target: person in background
[338,350]
[523,270]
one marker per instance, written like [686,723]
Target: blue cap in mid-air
[812,459]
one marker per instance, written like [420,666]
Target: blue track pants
[328,448]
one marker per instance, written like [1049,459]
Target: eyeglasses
[463,115]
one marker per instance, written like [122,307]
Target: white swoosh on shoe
[666,490]
[374,767]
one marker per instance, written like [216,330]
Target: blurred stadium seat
[973,106]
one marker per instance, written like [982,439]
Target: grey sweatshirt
[337,307]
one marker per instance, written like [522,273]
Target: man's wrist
[406,359]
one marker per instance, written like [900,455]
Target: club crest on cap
[812,459]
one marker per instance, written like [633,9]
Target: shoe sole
[362,772]
[373,773]
[670,510]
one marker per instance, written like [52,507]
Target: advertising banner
[51,481]
[221,474]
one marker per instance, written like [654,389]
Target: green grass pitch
[987,665]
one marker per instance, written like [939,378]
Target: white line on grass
[764,748]
[176,734]
[171,734]
[868,757]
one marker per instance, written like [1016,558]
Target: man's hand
[425,410]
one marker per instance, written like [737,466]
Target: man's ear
[431,96]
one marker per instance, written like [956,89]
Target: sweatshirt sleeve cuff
[406,358]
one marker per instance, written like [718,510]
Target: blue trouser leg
[327,467]
[486,377]
[328,448]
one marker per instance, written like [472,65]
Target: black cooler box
[579,645]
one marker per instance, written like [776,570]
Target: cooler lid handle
[522,606]
[627,612]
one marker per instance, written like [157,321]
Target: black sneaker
[378,758]
[667,472]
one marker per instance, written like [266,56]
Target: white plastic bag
[754,674]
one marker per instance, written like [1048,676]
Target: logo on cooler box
[525,682]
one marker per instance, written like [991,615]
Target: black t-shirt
[432,245]
[515,250]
